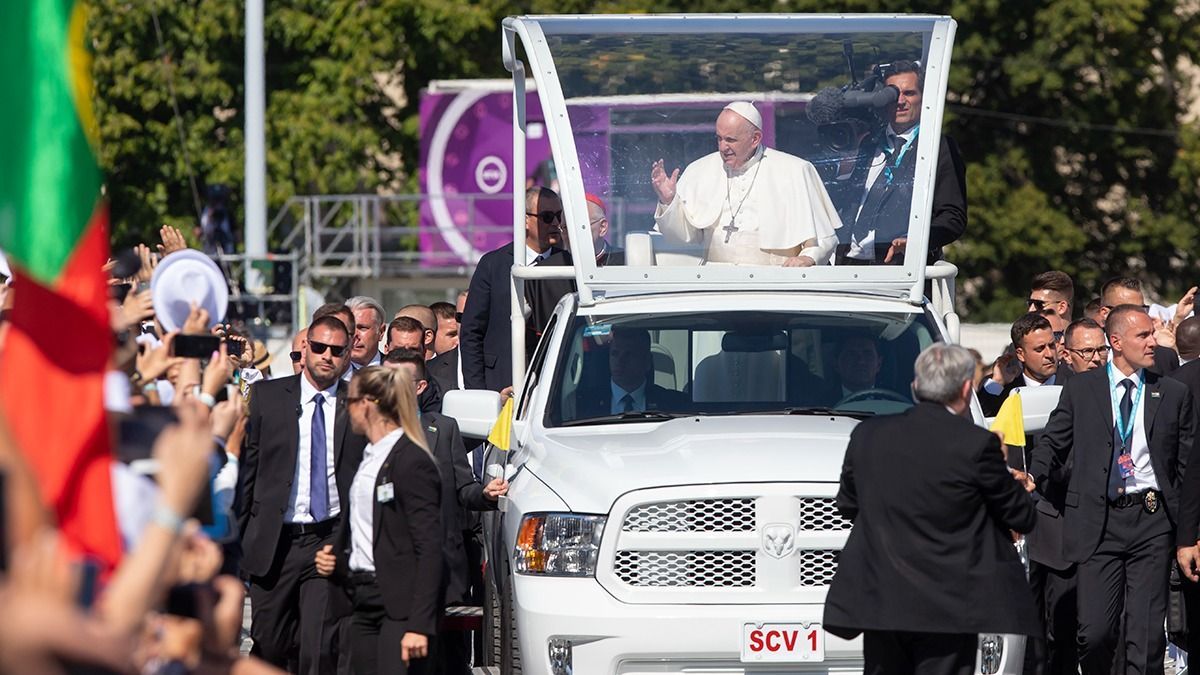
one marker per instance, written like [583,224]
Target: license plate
[782,643]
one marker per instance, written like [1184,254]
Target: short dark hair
[1092,307]
[1054,280]
[1128,283]
[1187,337]
[444,310]
[1081,324]
[406,324]
[402,355]
[335,309]
[1117,314]
[905,66]
[1026,325]
[331,322]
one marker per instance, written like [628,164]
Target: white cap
[185,278]
[748,111]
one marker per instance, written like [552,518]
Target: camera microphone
[826,106]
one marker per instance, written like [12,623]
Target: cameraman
[876,220]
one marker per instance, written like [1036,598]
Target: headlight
[558,544]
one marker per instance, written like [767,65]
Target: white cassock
[775,208]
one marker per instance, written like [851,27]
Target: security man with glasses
[1118,445]
[297,462]
[485,343]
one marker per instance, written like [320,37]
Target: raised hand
[154,363]
[664,185]
[172,240]
[197,321]
[149,262]
[1184,309]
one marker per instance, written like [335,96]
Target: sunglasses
[296,356]
[548,216]
[1039,305]
[320,347]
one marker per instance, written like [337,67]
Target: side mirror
[1037,403]
[475,410]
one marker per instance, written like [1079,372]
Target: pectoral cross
[729,230]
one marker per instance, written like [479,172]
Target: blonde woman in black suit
[389,550]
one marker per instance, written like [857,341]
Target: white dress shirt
[354,367]
[995,388]
[638,395]
[1143,477]
[864,249]
[362,502]
[299,510]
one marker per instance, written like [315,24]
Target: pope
[747,204]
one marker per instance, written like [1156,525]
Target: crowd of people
[1103,494]
[334,493]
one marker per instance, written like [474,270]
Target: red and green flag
[54,229]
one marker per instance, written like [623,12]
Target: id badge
[1125,464]
[385,493]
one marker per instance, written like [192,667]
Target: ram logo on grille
[779,540]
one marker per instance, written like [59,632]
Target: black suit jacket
[932,504]
[887,207]
[599,403]
[485,342]
[268,465]
[459,491]
[443,368]
[1080,431]
[1188,522]
[408,539]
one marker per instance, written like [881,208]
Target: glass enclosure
[651,367]
[743,148]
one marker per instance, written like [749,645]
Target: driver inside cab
[855,368]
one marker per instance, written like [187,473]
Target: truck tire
[490,640]
[510,650]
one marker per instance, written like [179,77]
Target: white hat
[5,270]
[748,111]
[182,279]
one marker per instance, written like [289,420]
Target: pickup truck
[693,527]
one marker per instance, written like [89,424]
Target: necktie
[627,403]
[317,465]
[1116,484]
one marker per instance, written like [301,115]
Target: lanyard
[887,170]
[1124,426]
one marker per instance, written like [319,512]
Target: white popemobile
[678,434]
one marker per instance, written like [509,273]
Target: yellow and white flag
[501,434]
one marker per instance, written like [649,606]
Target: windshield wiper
[620,418]
[808,410]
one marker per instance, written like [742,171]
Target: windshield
[648,367]
[745,149]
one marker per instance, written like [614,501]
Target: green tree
[1070,114]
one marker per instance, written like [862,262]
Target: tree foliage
[1072,116]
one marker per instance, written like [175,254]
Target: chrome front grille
[817,567]
[699,569]
[693,515]
[763,543]
[821,514]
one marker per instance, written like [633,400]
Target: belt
[1149,499]
[362,578]
[320,529]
